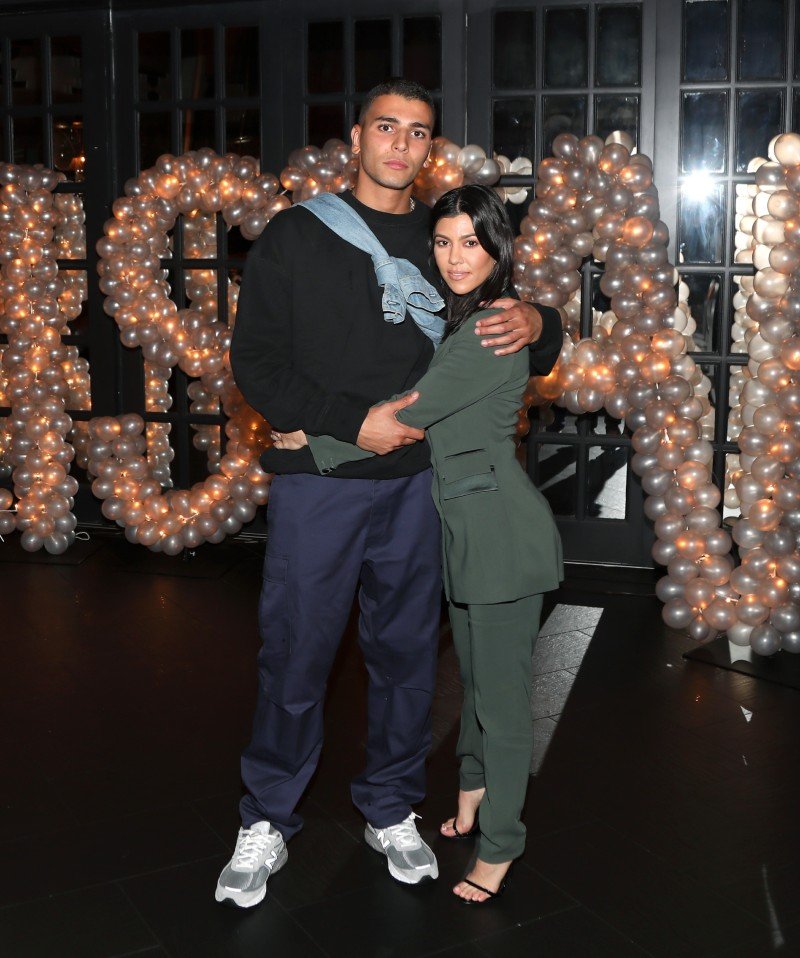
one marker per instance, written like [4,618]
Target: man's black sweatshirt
[311,349]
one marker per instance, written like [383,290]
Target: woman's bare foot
[468,803]
[486,874]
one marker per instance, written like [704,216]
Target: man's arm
[261,351]
[524,324]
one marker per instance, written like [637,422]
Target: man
[311,350]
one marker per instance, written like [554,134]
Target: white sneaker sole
[407,878]
[247,899]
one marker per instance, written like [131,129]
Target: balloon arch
[592,197]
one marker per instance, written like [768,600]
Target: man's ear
[355,137]
[427,161]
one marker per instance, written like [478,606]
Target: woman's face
[460,258]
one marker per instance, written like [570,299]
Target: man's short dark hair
[397,86]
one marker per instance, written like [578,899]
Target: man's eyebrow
[394,119]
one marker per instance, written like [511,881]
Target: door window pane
[703,124]
[325,57]
[373,43]
[606,482]
[155,137]
[28,139]
[701,228]
[241,61]
[197,64]
[514,50]
[422,51]
[198,130]
[154,66]
[762,39]
[26,72]
[705,302]
[66,77]
[565,47]
[759,118]
[68,152]
[242,132]
[618,45]
[616,113]
[554,476]
[705,40]
[562,114]
[513,127]
[325,121]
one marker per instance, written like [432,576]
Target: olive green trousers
[494,644]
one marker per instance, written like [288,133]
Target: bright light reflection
[697,187]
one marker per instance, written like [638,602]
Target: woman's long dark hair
[493,231]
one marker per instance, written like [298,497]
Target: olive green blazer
[499,538]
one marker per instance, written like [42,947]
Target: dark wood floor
[663,816]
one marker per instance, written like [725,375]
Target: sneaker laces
[250,847]
[405,835]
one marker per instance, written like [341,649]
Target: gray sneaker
[260,851]
[410,859]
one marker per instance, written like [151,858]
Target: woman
[500,544]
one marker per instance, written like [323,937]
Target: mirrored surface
[762,39]
[705,40]
[705,303]
[242,132]
[562,114]
[154,66]
[69,155]
[197,64]
[514,49]
[618,45]
[422,50]
[565,48]
[241,61]
[701,224]
[703,131]
[606,482]
[513,127]
[26,72]
[66,77]
[325,45]
[759,117]
[616,112]
[198,130]
[555,476]
[373,52]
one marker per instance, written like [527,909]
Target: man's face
[394,140]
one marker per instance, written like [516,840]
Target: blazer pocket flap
[467,472]
[276,568]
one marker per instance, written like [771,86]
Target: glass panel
[155,137]
[601,424]
[422,51]
[198,129]
[562,114]
[197,64]
[554,476]
[606,482]
[565,48]
[618,45]
[797,49]
[762,39]
[513,127]
[796,109]
[241,61]
[703,126]
[514,51]
[28,140]
[553,419]
[705,302]
[154,66]
[199,239]
[26,72]
[759,118]
[2,80]
[325,121]
[242,132]
[616,113]
[373,49]
[70,231]
[705,40]
[325,57]
[66,80]
[68,152]
[701,229]
[72,301]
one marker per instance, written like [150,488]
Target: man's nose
[401,142]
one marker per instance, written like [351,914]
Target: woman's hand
[289,440]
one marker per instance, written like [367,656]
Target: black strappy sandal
[473,831]
[493,895]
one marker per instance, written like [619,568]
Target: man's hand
[519,325]
[381,432]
